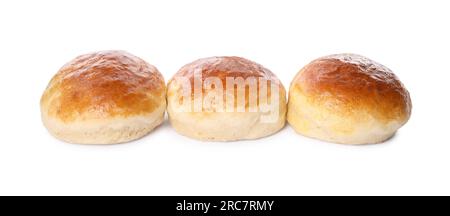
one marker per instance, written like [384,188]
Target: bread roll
[349,99]
[226,99]
[104,98]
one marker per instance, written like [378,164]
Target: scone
[104,97]
[226,99]
[349,99]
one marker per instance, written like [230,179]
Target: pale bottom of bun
[323,123]
[105,131]
[224,126]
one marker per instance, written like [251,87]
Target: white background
[410,37]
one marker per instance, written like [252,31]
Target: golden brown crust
[103,84]
[349,82]
[226,66]
[231,67]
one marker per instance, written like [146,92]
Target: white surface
[410,37]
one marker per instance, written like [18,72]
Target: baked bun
[349,99]
[104,98]
[226,99]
